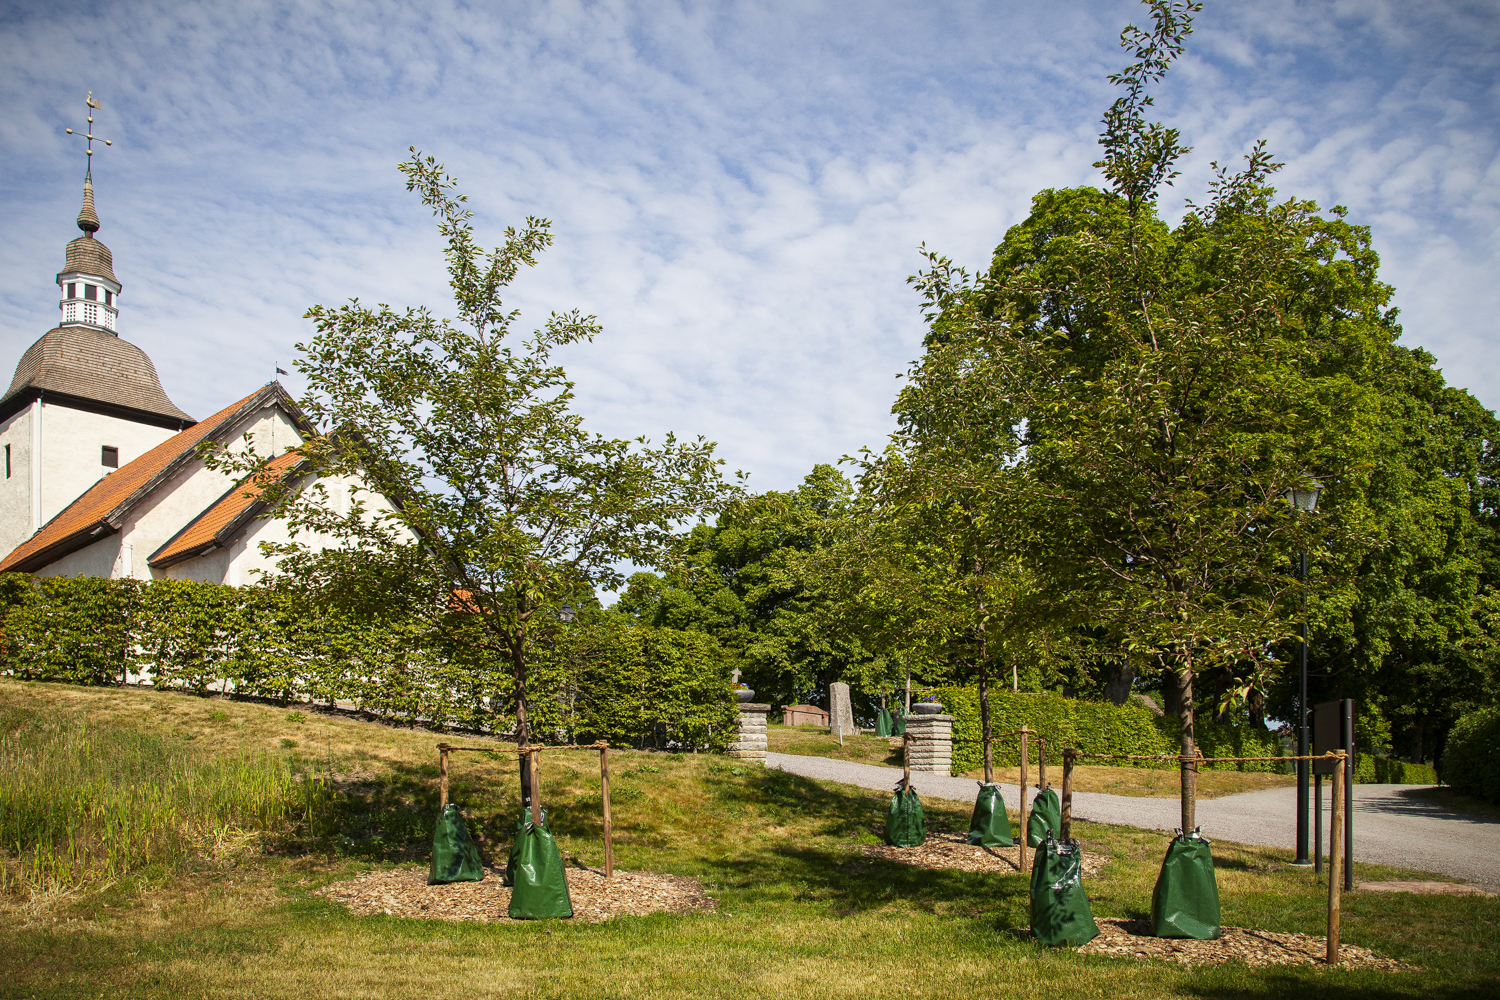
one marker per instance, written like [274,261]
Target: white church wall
[99,559]
[211,567]
[15,488]
[72,451]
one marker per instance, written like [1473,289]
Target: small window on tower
[109,297]
[110,457]
[91,292]
[72,289]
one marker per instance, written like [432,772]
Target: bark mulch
[950,851]
[1426,888]
[404,892]
[1257,949]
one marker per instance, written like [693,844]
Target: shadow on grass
[1275,983]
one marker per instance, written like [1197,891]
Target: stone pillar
[932,742]
[841,710]
[750,742]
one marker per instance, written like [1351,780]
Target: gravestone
[840,710]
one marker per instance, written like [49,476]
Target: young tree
[515,509]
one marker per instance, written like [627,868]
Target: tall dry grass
[82,804]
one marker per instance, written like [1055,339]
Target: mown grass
[801,912]
[813,741]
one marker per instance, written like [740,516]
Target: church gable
[150,499]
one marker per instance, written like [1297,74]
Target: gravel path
[1391,824]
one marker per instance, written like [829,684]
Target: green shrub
[1471,758]
[605,676]
[1372,770]
[1093,727]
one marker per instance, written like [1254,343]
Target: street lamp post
[1303,501]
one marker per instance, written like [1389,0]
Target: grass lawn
[800,913]
[814,741]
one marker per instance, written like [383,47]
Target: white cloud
[738,190]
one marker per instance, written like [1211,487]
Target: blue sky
[737,190]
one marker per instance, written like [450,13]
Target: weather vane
[89,133]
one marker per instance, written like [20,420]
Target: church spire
[90,292]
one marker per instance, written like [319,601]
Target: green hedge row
[1471,756]
[607,676]
[1093,727]
[1369,770]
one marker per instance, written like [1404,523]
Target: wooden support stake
[1067,795]
[1335,861]
[1041,763]
[442,778]
[905,763]
[1024,775]
[536,788]
[609,826]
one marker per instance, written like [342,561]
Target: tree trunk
[1255,701]
[1117,685]
[1189,768]
[984,714]
[523,735]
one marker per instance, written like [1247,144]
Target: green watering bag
[1060,911]
[898,723]
[883,723]
[454,856]
[541,886]
[989,826]
[1186,901]
[515,846]
[905,826]
[1046,814]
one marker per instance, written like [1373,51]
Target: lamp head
[1305,500]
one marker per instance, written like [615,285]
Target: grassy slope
[801,914]
[813,741]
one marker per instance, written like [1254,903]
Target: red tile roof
[102,507]
[222,520]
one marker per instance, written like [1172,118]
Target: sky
[738,191]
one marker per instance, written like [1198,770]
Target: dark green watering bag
[515,847]
[898,723]
[990,827]
[454,856]
[1046,814]
[541,886]
[883,723]
[905,826]
[1186,901]
[1060,911]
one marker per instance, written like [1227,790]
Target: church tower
[83,402]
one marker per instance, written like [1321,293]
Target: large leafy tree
[1161,389]
[504,510]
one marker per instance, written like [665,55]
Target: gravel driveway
[1392,825]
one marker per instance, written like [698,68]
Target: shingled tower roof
[81,365]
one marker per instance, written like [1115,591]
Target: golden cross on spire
[88,133]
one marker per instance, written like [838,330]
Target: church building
[102,474]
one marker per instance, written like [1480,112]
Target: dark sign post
[1333,729]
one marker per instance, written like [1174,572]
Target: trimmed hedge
[608,676]
[1471,757]
[1369,770]
[1093,727]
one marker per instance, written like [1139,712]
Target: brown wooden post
[609,826]
[1025,774]
[536,787]
[905,763]
[442,776]
[1041,762]
[1067,796]
[1335,861]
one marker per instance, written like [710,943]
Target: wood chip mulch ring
[404,892]
[1257,949]
[951,851]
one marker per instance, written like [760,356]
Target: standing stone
[840,710]
[750,741]
[931,746]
